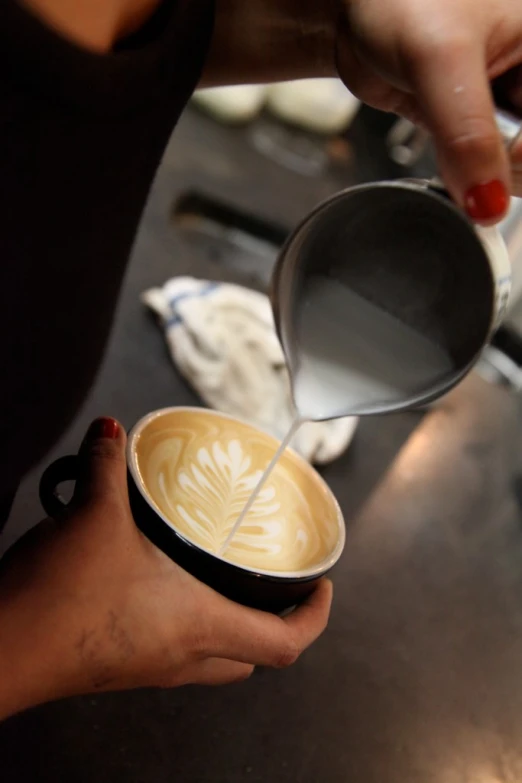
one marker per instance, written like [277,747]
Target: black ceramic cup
[269,589]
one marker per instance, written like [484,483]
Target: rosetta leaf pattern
[215,488]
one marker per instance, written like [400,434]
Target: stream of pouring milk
[351,355]
[296,423]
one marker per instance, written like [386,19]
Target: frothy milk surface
[353,354]
[200,470]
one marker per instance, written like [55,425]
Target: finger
[263,639]
[310,619]
[103,468]
[215,671]
[453,91]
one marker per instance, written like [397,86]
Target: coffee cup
[191,472]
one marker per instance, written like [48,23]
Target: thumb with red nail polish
[103,427]
[103,467]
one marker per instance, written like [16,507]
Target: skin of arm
[272,40]
[27,677]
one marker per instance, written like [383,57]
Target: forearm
[33,669]
[39,658]
[20,683]
[272,40]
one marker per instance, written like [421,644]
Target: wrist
[324,18]
[314,29]
[272,40]
[32,666]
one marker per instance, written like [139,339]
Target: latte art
[200,469]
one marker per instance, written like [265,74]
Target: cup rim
[303,574]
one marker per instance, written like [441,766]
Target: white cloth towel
[222,339]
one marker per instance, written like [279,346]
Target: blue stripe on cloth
[205,291]
[174,321]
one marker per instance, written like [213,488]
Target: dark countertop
[417,679]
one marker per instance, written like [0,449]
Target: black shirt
[81,136]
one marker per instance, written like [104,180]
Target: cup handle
[64,469]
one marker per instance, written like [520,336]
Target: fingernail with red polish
[487,201]
[104,428]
